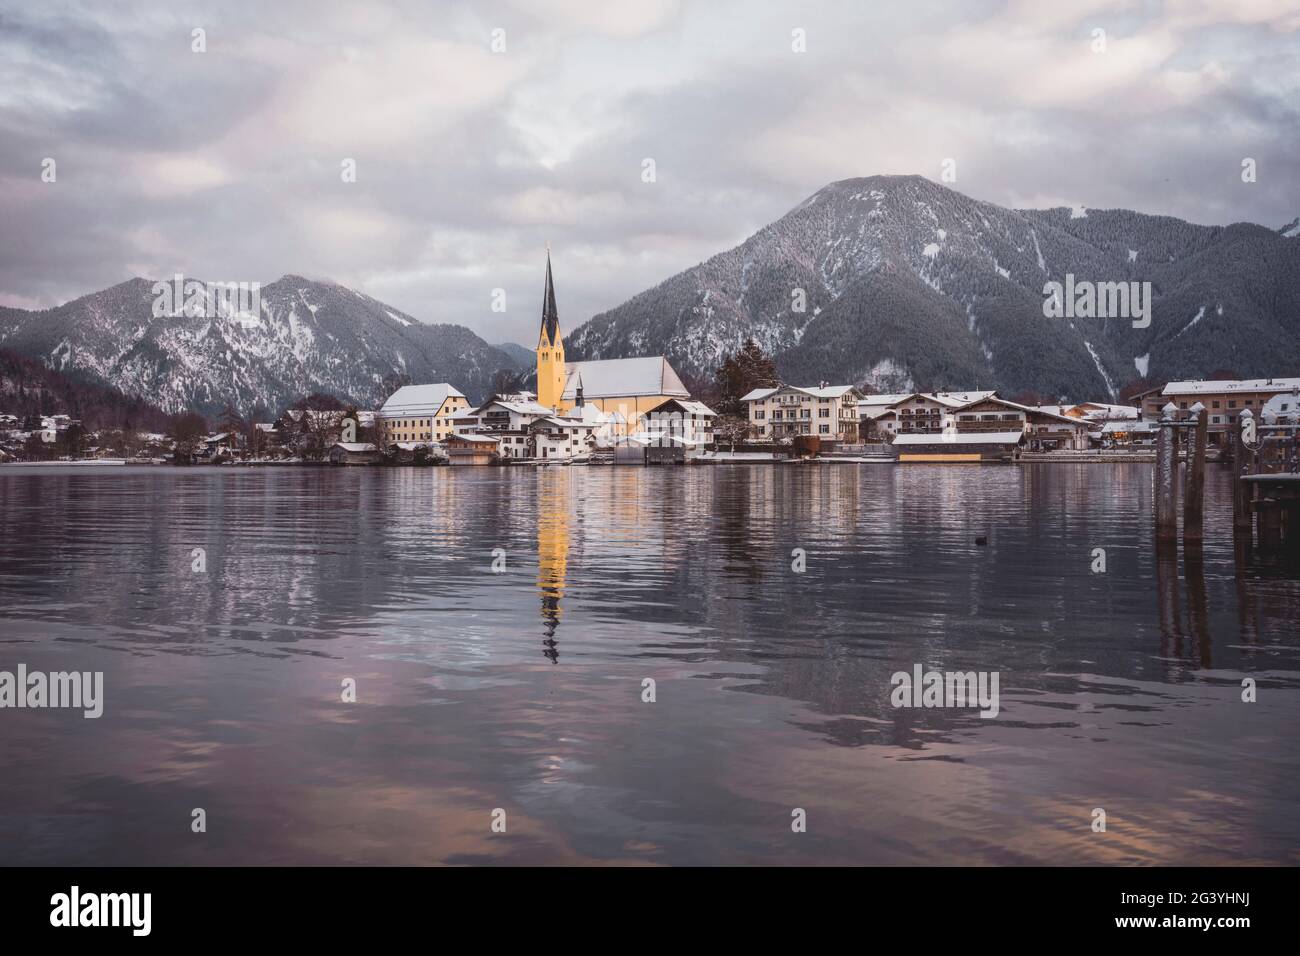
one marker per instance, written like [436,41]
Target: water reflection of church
[552,555]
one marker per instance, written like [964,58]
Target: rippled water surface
[522,690]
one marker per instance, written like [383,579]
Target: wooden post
[1194,488]
[1166,490]
[1243,463]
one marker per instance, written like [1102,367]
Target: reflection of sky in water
[522,689]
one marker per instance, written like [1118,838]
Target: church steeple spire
[552,373]
[550,314]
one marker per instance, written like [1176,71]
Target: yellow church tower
[551,374]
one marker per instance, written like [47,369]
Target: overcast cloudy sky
[226,164]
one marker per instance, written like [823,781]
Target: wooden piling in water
[1243,463]
[1166,489]
[1194,487]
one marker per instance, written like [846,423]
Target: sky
[480,132]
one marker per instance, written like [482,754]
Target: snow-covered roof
[618,378]
[557,422]
[1288,401]
[486,439]
[958,399]
[1028,409]
[519,408]
[688,406]
[1128,425]
[946,399]
[418,399]
[876,411]
[820,391]
[355,446]
[961,438]
[1232,385]
[883,399]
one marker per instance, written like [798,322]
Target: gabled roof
[820,391]
[868,400]
[355,446]
[475,439]
[417,399]
[689,406]
[623,378]
[519,408]
[947,399]
[1243,385]
[1027,409]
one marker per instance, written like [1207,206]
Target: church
[629,387]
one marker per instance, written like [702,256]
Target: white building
[556,438]
[508,421]
[827,411]
[685,419]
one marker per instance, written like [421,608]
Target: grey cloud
[741,128]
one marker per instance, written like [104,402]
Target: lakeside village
[638,411]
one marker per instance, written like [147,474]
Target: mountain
[28,387]
[311,337]
[909,284]
[1292,229]
[524,358]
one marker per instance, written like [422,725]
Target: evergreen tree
[746,370]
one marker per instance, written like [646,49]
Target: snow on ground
[931,250]
[1042,264]
[1132,255]
[397,318]
[1142,363]
[1079,212]
[1005,273]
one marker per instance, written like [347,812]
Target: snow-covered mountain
[310,337]
[908,284]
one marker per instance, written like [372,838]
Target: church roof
[623,378]
[550,314]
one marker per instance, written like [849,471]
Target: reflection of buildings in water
[552,554]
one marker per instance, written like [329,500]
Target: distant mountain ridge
[909,284]
[28,388]
[312,336]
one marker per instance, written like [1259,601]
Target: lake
[769,605]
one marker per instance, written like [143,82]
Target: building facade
[827,411]
[1224,400]
[421,413]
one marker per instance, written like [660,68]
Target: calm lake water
[522,690]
